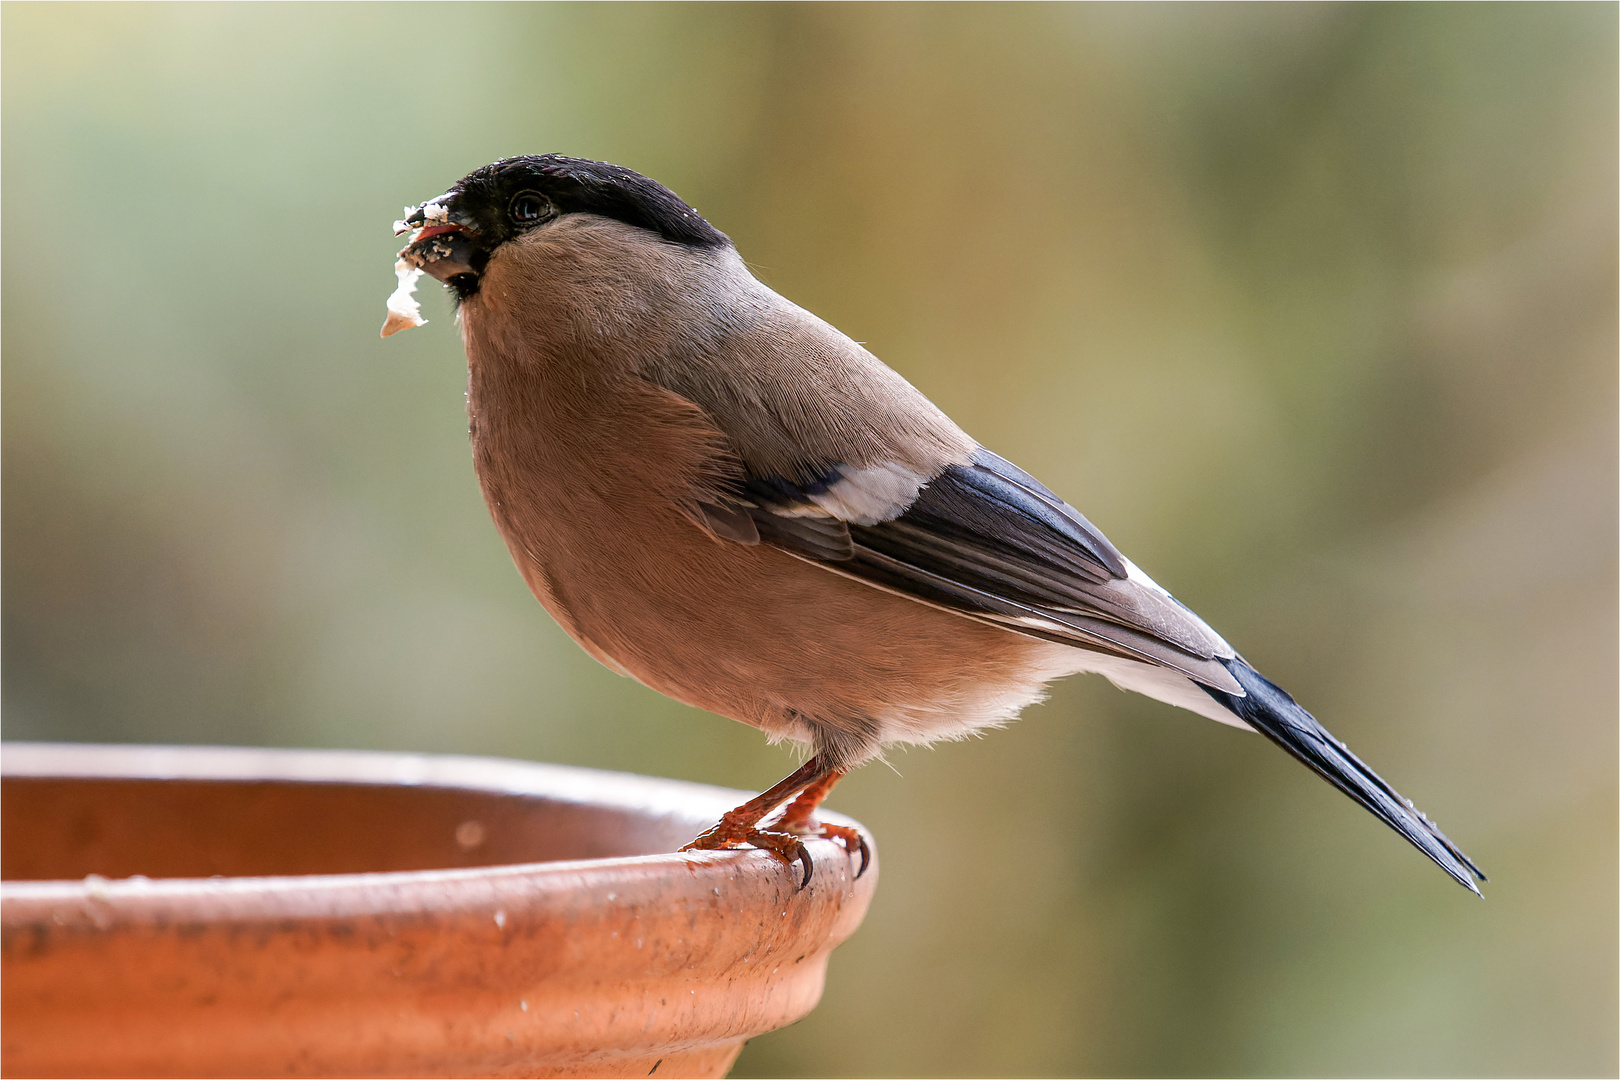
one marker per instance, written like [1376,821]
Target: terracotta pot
[336,913]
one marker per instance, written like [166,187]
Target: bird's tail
[1268,709]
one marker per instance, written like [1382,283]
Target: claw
[809,867]
[851,839]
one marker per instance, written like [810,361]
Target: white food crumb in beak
[403,310]
[438,212]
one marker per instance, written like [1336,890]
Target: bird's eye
[528,207]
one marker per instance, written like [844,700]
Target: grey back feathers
[794,395]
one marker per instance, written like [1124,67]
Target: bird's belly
[755,634]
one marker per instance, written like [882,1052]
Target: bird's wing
[986,540]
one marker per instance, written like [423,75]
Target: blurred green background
[1311,308]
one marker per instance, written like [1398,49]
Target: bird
[719,494]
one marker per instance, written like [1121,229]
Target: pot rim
[252,898]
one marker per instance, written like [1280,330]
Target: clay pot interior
[67,827]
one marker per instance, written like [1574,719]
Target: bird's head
[454,236]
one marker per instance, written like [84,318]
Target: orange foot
[785,846]
[806,787]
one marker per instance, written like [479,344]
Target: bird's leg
[742,825]
[799,819]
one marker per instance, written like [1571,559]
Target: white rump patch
[997,702]
[1160,684]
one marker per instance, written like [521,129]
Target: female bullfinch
[717,493]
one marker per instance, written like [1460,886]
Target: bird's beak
[443,241]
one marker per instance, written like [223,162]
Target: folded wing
[988,541]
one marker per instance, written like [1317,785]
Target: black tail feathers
[1269,710]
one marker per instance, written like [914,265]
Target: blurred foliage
[1311,308]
